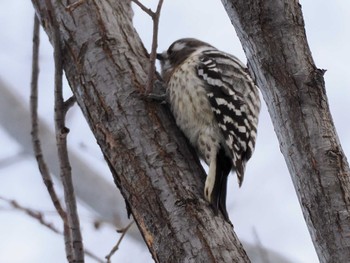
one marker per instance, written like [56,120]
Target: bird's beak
[160,56]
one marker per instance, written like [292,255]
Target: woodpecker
[216,104]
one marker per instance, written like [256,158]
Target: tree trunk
[273,37]
[159,176]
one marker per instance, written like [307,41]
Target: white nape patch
[178,46]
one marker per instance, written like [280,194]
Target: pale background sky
[266,203]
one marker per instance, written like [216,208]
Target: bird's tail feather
[223,168]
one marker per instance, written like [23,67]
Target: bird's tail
[240,168]
[223,168]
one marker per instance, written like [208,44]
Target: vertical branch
[44,170]
[153,54]
[152,57]
[74,242]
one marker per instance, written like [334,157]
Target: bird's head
[177,53]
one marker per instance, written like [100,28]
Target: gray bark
[160,178]
[273,37]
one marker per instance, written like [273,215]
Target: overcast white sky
[267,201]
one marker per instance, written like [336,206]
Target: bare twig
[39,216]
[125,229]
[74,244]
[44,170]
[152,67]
[30,212]
[152,57]
[69,103]
[144,8]
[93,256]
[116,247]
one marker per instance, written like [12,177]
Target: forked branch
[152,57]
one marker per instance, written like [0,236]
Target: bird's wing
[234,101]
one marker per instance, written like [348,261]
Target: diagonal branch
[33,214]
[39,216]
[116,247]
[158,174]
[274,40]
[144,8]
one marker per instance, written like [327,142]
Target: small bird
[216,104]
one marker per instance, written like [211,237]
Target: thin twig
[116,247]
[69,103]
[44,170]
[39,216]
[93,256]
[30,212]
[144,8]
[73,238]
[152,57]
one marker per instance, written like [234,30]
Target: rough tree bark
[273,37]
[159,176]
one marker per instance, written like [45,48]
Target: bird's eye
[170,52]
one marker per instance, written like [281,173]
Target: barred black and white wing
[235,102]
